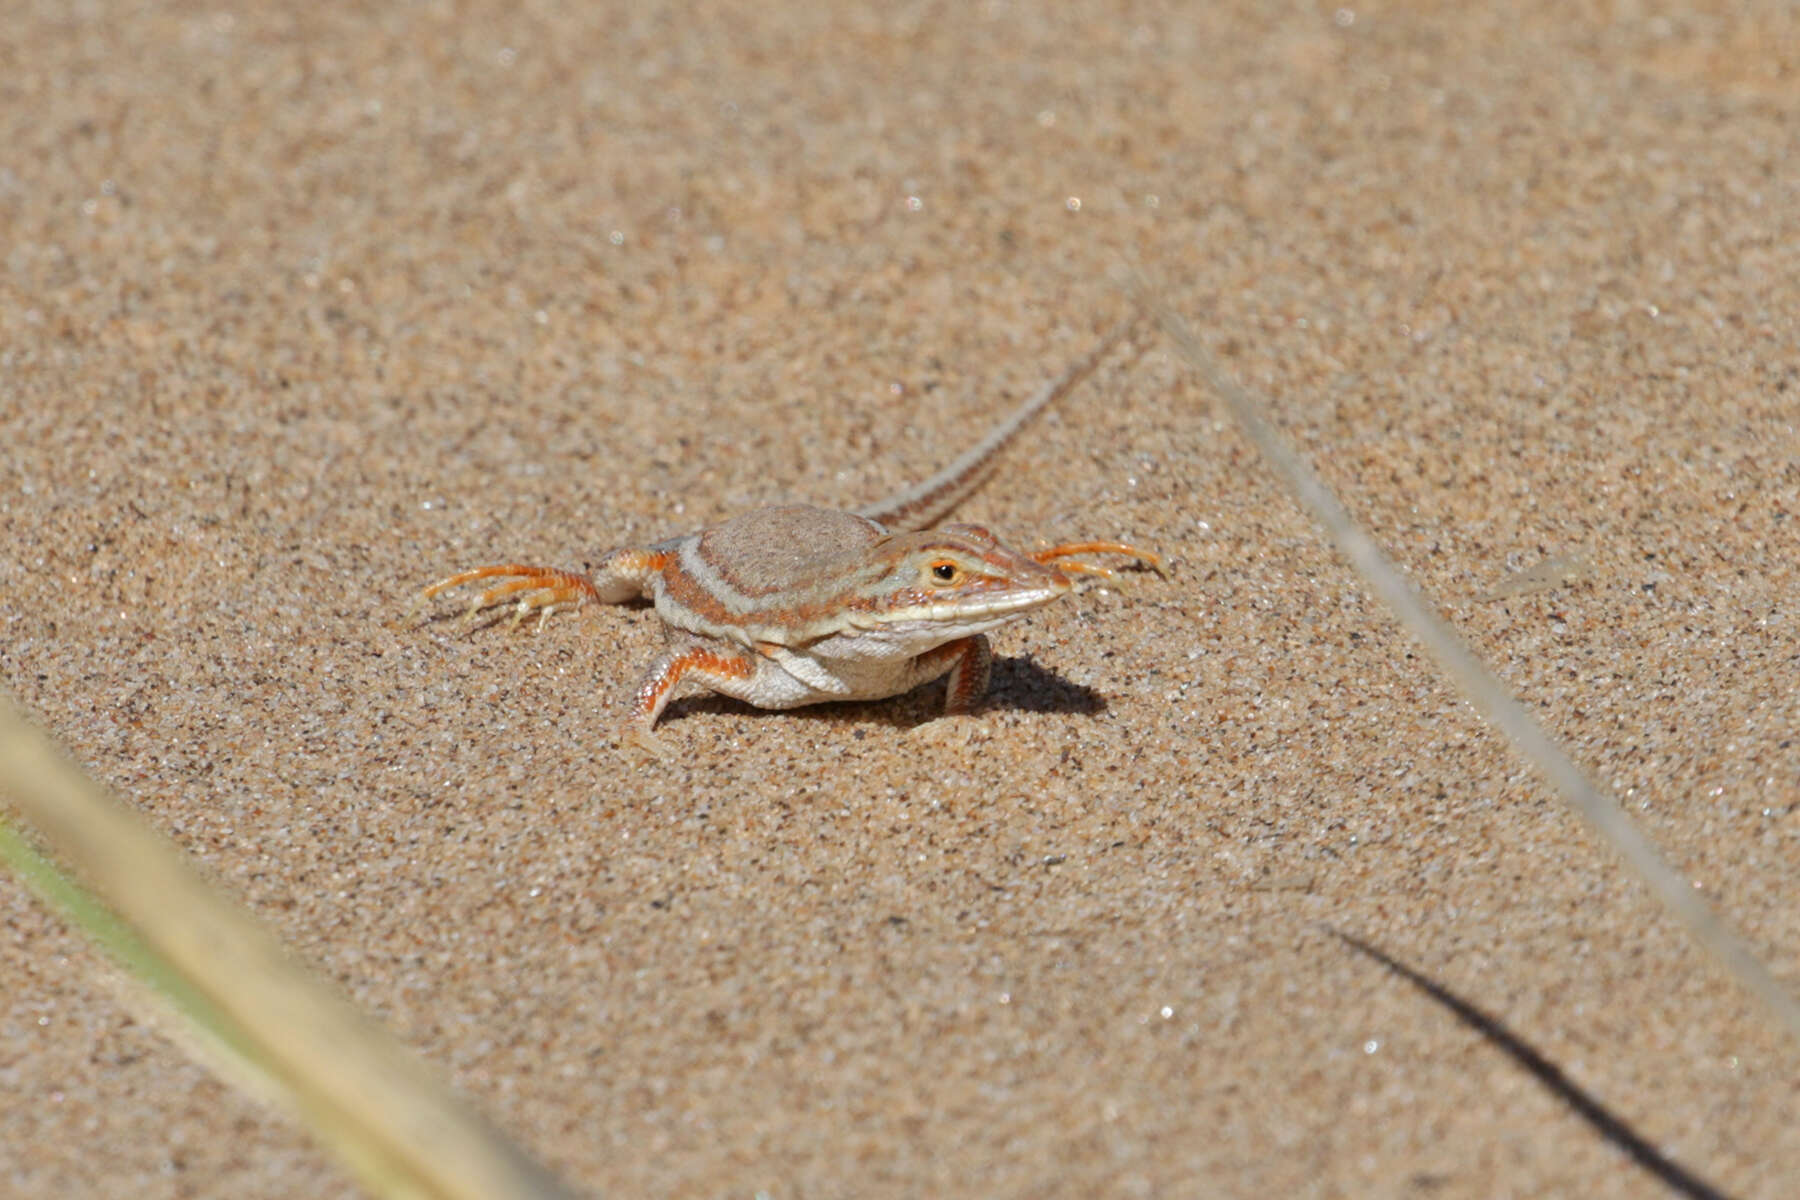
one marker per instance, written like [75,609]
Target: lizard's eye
[944,572]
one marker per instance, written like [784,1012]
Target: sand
[303,307]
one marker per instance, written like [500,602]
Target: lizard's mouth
[974,612]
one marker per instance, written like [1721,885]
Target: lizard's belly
[786,678]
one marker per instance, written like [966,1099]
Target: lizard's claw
[1056,555]
[525,590]
[642,739]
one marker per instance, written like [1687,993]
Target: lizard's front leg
[621,575]
[971,662]
[965,663]
[1058,557]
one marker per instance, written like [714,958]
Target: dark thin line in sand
[1605,1122]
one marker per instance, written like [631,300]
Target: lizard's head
[955,581]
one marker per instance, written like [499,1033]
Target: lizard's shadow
[1020,683]
[1017,683]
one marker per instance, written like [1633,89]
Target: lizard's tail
[924,505]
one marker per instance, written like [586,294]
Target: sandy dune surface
[304,306]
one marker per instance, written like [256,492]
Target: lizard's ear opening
[944,572]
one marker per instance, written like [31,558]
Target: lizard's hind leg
[715,665]
[621,575]
[526,588]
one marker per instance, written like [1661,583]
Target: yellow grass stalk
[367,1099]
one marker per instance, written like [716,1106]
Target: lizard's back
[746,577]
[777,550]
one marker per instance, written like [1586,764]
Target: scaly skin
[795,605]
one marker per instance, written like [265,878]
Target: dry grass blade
[1476,682]
[365,1097]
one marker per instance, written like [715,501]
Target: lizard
[794,604]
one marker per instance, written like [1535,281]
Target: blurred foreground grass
[1478,685]
[281,1031]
